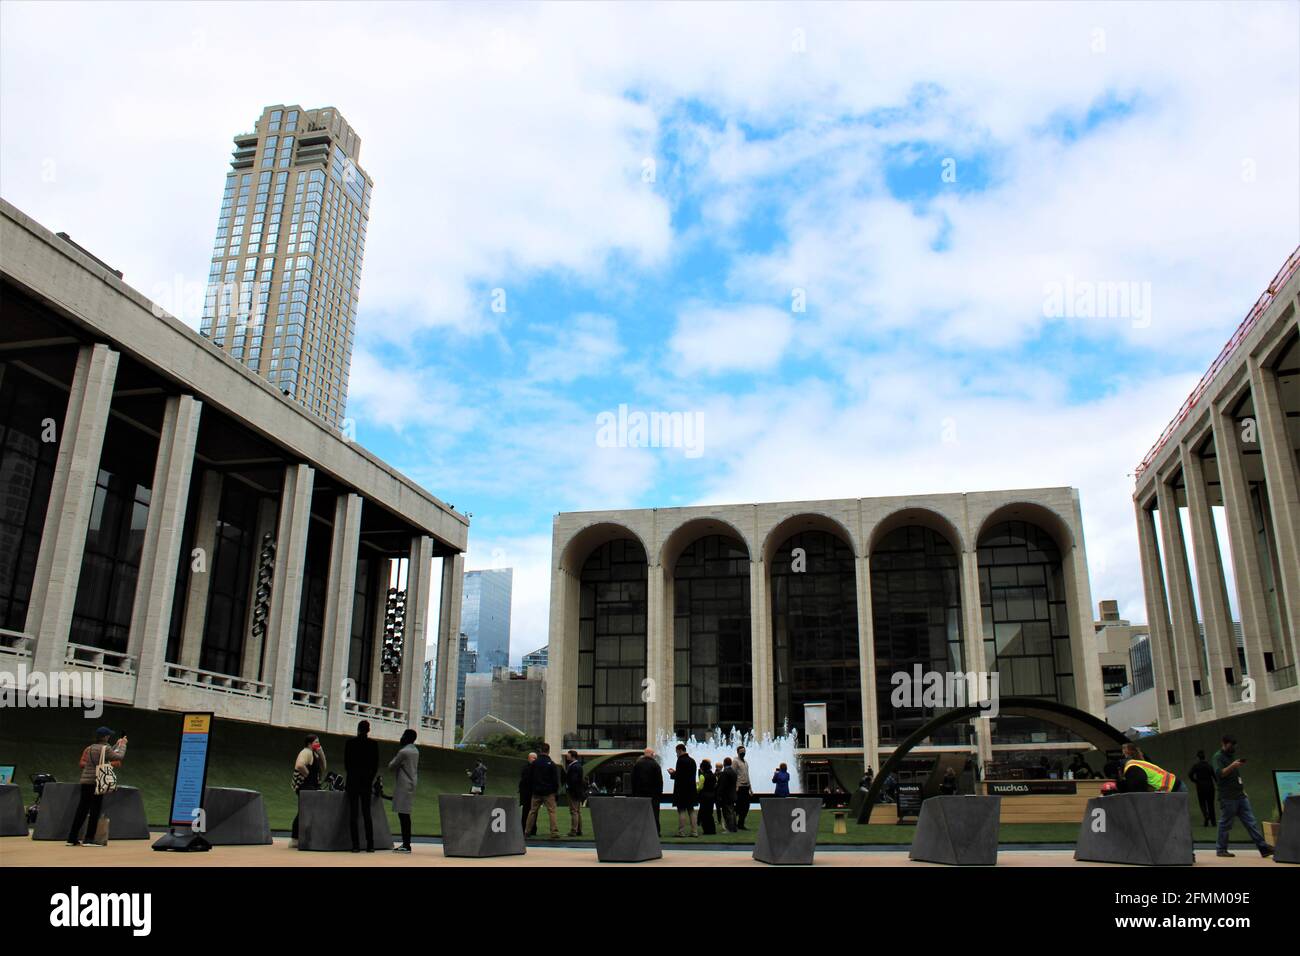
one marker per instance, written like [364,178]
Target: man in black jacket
[648,781]
[360,766]
[1202,774]
[546,782]
[727,778]
[575,790]
[684,792]
[526,793]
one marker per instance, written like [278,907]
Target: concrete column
[1153,586]
[72,493]
[867,664]
[286,587]
[155,589]
[339,596]
[252,666]
[972,627]
[1182,612]
[1220,651]
[419,582]
[205,544]
[1283,493]
[453,580]
[659,709]
[1251,602]
[760,618]
[561,647]
[1085,660]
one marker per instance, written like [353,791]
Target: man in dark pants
[743,791]
[648,781]
[575,790]
[90,802]
[360,766]
[1233,801]
[1202,774]
[526,793]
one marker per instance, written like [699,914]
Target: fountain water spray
[763,754]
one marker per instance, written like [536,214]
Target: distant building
[1124,653]
[468,663]
[485,616]
[516,699]
[537,658]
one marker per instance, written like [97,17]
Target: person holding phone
[1233,801]
[90,802]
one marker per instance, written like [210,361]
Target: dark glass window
[1114,678]
[231,565]
[1026,625]
[712,686]
[815,635]
[612,647]
[311,613]
[916,617]
[362,641]
[26,469]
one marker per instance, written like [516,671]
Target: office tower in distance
[485,616]
[535,658]
[286,264]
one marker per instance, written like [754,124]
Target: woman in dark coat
[684,792]
[708,791]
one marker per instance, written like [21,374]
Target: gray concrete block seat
[323,822]
[787,830]
[624,828]
[958,831]
[124,808]
[235,817]
[480,826]
[1143,829]
[13,815]
[1288,836]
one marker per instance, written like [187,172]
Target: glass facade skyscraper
[283,286]
[485,616]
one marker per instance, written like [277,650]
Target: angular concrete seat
[479,826]
[1143,829]
[323,822]
[235,817]
[124,808]
[13,815]
[624,828]
[1288,836]
[959,831]
[787,830]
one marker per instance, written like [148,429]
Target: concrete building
[685,619]
[537,658]
[285,276]
[1123,651]
[517,699]
[485,617]
[466,664]
[176,524]
[1229,458]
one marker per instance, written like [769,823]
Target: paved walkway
[22,851]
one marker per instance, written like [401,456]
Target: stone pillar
[1283,494]
[205,544]
[760,621]
[72,494]
[867,664]
[660,695]
[339,596]
[160,557]
[1220,649]
[286,587]
[453,579]
[419,581]
[972,628]
[1256,628]
[1153,586]
[1182,611]
[561,647]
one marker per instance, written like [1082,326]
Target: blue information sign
[191,770]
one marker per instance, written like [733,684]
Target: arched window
[712,685]
[612,646]
[815,635]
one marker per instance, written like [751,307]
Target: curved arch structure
[1081,723]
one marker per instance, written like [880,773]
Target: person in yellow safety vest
[1141,776]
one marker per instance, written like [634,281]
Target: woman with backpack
[97,781]
[308,772]
[406,770]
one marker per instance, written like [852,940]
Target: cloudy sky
[859,241]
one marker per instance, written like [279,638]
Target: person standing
[308,772]
[867,777]
[708,792]
[406,771]
[948,786]
[1202,774]
[782,780]
[1233,801]
[575,790]
[744,793]
[684,792]
[546,782]
[727,794]
[648,781]
[360,765]
[91,798]
[526,793]
[477,778]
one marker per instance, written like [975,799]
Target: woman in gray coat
[406,771]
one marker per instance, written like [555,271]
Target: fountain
[763,754]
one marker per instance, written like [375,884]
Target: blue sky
[919,176]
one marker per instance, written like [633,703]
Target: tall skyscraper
[286,265]
[485,616]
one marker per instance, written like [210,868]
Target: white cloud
[725,339]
